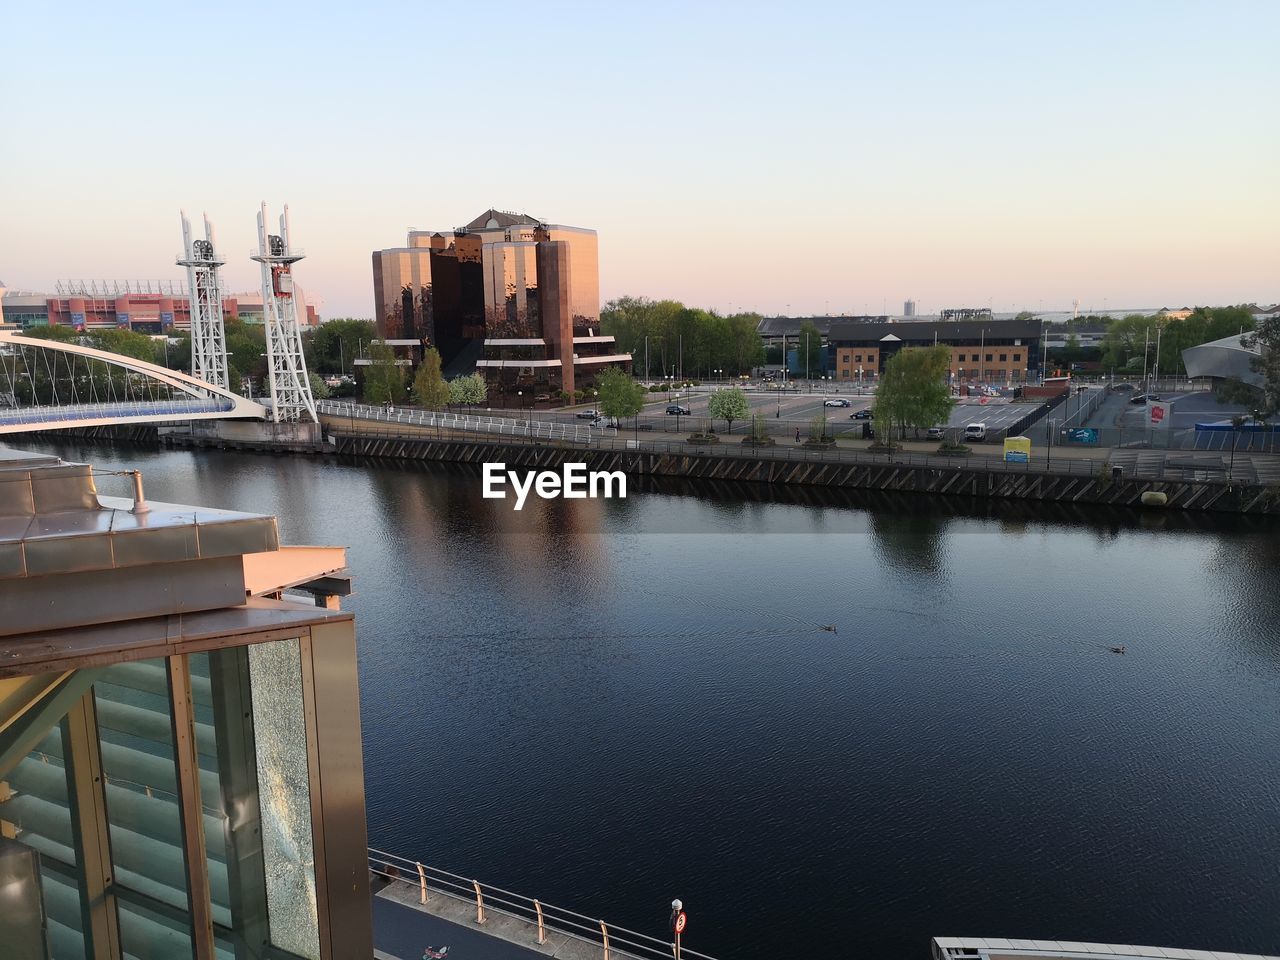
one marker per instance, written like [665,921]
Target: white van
[975,431]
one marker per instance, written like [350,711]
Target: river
[610,704]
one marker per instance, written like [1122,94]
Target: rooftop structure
[1225,359]
[180,755]
[995,948]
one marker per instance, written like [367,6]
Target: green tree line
[707,341]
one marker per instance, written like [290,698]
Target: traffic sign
[682,920]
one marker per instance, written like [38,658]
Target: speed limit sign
[682,920]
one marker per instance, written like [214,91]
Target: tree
[468,391]
[1263,402]
[620,395]
[1025,315]
[429,387]
[384,377]
[704,340]
[809,350]
[319,389]
[913,391]
[333,346]
[729,405]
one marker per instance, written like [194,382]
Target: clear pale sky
[827,156]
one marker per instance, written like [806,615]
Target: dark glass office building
[508,295]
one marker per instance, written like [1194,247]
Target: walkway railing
[501,426]
[543,918]
[62,413]
[732,449]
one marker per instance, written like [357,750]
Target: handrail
[538,914]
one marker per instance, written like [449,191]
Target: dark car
[1144,397]
[675,409]
[587,414]
[862,415]
[645,426]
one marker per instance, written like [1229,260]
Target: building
[144,306]
[994,351]
[180,752]
[996,948]
[773,329]
[508,295]
[1225,359]
[909,308]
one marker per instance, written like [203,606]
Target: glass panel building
[508,295]
[176,733]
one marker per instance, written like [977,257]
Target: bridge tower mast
[208,334]
[291,399]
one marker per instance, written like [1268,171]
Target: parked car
[864,414]
[976,432]
[605,422]
[674,409]
[645,426]
[1144,397]
[588,414]
[838,402]
[935,433]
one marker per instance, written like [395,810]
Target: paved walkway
[402,928]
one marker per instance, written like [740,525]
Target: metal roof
[924,331]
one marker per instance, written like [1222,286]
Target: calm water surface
[610,705]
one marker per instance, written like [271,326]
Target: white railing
[540,917]
[470,423]
[61,413]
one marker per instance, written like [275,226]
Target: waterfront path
[403,928]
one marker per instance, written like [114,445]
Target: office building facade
[994,351]
[508,295]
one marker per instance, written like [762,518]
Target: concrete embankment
[1093,484]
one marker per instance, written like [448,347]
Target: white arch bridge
[56,385]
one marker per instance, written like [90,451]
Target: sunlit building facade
[508,295]
[180,753]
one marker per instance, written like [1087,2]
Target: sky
[795,157]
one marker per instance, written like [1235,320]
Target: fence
[732,450]
[60,413]
[542,917]
[501,426]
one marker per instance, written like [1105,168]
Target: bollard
[542,933]
[479,902]
[422,882]
[139,501]
[604,931]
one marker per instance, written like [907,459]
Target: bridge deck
[403,928]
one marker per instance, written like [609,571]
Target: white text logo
[574,482]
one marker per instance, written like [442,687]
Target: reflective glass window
[135,733]
[35,811]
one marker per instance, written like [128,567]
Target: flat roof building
[992,351]
[180,753]
[507,294]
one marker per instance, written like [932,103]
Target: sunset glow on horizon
[804,158]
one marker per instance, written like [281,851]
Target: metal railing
[501,426]
[978,463]
[542,918]
[59,413]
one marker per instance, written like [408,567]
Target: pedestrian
[797,434]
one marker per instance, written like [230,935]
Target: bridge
[60,385]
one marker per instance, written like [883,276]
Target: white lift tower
[208,334]
[291,400]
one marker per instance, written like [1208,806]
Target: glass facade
[502,277]
[35,811]
[252,767]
